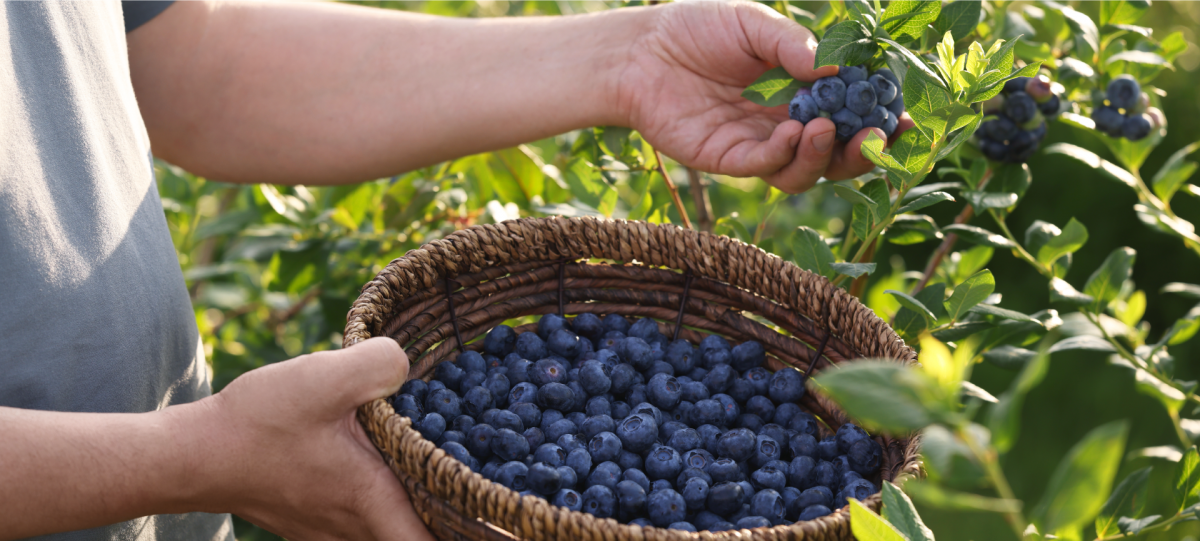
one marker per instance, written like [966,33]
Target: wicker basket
[539,266]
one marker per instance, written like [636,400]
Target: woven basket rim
[721,259]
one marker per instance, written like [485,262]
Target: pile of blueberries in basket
[614,419]
[853,99]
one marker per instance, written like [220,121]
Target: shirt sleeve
[140,12]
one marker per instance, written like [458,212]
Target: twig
[699,191]
[860,283]
[662,170]
[944,248]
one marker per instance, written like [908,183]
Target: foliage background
[273,270]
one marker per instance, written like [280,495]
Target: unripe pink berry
[1038,88]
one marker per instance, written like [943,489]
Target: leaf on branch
[969,293]
[811,253]
[848,42]
[1009,357]
[1141,58]
[1062,291]
[1090,159]
[899,511]
[1180,288]
[1077,490]
[1121,12]
[853,270]
[979,235]
[1087,36]
[925,201]
[1127,500]
[884,394]
[910,17]
[773,88]
[1084,342]
[914,305]
[958,18]
[990,200]
[854,196]
[868,526]
[1174,173]
[1187,478]
[1003,313]
[942,498]
[1069,241]
[909,323]
[1105,283]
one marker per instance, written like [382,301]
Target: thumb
[779,41]
[371,369]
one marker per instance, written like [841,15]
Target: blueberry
[518,371]
[620,410]
[529,414]
[803,107]
[999,128]
[605,474]
[852,74]
[1021,147]
[642,522]
[600,501]
[767,503]
[682,526]
[531,346]
[712,358]
[697,458]
[471,380]
[896,108]
[749,421]
[1124,92]
[800,472]
[449,374]
[631,497]
[523,393]
[804,445]
[564,343]
[685,440]
[719,378]
[669,428]
[432,426]
[1017,84]
[725,498]
[595,425]
[885,89]
[490,469]
[664,391]
[1039,132]
[658,367]
[993,150]
[512,475]
[636,394]
[644,328]
[506,419]
[415,387]
[861,98]
[848,124]
[637,353]
[722,526]
[622,378]
[1019,107]
[841,465]
[847,434]
[762,407]
[783,412]
[500,340]
[666,507]
[741,390]
[786,386]
[708,436]
[681,356]
[479,440]
[1136,127]
[729,406]
[704,520]
[444,402]
[611,341]
[509,445]
[791,502]
[604,447]
[594,378]
[813,511]
[877,118]
[865,456]
[550,454]
[498,386]
[824,473]
[558,428]
[818,495]
[769,477]
[889,126]
[477,401]
[707,412]
[860,490]
[556,396]
[724,470]
[548,418]
[663,463]
[403,402]
[692,473]
[569,499]
[1050,108]
[543,479]
[847,478]
[751,522]
[452,436]
[547,371]
[1108,120]
[588,325]
[698,373]
[827,449]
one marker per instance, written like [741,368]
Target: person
[105,409]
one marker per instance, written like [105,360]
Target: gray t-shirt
[94,313]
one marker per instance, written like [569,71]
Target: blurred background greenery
[273,270]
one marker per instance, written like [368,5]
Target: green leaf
[1180,288]
[1106,281]
[811,252]
[929,494]
[1004,420]
[861,10]
[877,190]
[1174,173]
[1087,36]
[912,151]
[1121,12]
[961,330]
[860,220]
[899,511]
[914,305]
[1080,484]
[873,149]
[1187,478]
[614,139]
[996,311]
[1009,357]
[854,196]
[848,42]
[979,235]
[1183,329]
[988,200]
[971,292]
[886,395]
[1062,291]
[1141,58]
[970,262]
[868,526]
[853,270]
[1127,500]
[1069,241]
[959,18]
[925,201]
[925,99]
[1133,527]
[909,324]
[910,17]
[773,88]
[1083,342]
[1010,178]
[912,229]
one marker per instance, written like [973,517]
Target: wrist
[615,37]
[201,457]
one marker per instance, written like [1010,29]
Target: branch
[662,170]
[860,283]
[700,199]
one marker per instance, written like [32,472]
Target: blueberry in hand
[1124,92]
[877,118]
[1135,127]
[663,463]
[860,98]
[848,124]
[889,126]
[803,107]
[885,90]
[512,475]
[829,93]
[569,499]
[600,501]
[896,108]
[666,507]
[787,385]
[852,74]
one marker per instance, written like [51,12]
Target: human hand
[292,457]
[682,92]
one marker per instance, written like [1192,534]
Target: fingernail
[823,142]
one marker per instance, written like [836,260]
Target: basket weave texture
[537,266]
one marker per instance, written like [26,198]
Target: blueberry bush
[1000,237]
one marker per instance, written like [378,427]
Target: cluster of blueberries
[853,99]
[1124,110]
[1018,119]
[615,419]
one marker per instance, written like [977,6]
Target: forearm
[321,93]
[68,471]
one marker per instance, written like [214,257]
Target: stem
[860,283]
[662,170]
[1148,197]
[762,225]
[988,458]
[699,191]
[947,244]
[1020,250]
[1179,517]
